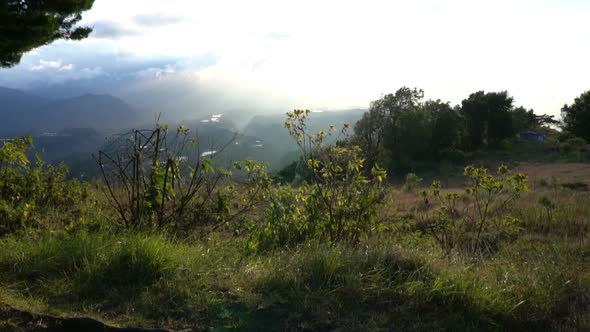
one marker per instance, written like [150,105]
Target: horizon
[327,56]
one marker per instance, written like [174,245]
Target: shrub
[573,144]
[476,219]
[341,201]
[412,180]
[284,222]
[153,180]
[27,188]
[453,155]
[548,206]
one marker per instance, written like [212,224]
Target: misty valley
[71,129]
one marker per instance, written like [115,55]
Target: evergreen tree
[28,24]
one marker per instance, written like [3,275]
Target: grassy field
[395,280]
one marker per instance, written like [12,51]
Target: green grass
[535,283]
[398,280]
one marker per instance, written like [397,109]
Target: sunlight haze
[331,54]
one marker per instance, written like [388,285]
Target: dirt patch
[14,319]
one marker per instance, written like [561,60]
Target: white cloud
[156,72]
[346,53]
[56,65]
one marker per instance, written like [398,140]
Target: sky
[330,54]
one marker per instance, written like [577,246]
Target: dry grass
[556,173]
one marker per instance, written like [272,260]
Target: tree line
[403,130]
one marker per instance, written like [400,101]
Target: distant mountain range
[70,129]
[22,112]
[271,127]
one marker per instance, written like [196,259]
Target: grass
[534,283]
[397,280]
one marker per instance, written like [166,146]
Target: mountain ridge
[23,112]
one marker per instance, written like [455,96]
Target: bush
[412,180]
[453,155]
[548,206]
[482,220]
[153,181]
[29,188]
[284,223]
[573,144]
[339,204]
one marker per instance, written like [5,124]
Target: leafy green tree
[446,127]
[523,119]
[28,24]
[401,130]
[413,139]
[576,117]
[499,118]
[368,133]
[547,120]
[403,123]
[487,117]
[474,112]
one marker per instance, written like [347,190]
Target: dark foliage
[576,117]
[28,24]
[487,118]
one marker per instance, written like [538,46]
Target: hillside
[12,99]
[23,113]
[97,111]
[13,105]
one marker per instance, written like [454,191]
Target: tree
[400,109]
[413,143]
[401,130]
[523,119]
[446,126]
[474,112]
[576,117]
[546,120]
[499,117]
[487,118]
[28,24]
[368,133]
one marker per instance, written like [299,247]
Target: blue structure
[531,136]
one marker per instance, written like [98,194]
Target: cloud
[156,72]
[449,48]
[94,65]
[85,73]
[56,72]
[157,19]
[112,30]
[57,65]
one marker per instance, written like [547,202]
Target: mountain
[60,91]
[22,113]
[11,99]
[13,104]
[279,147]
[96,111]
[271,128]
